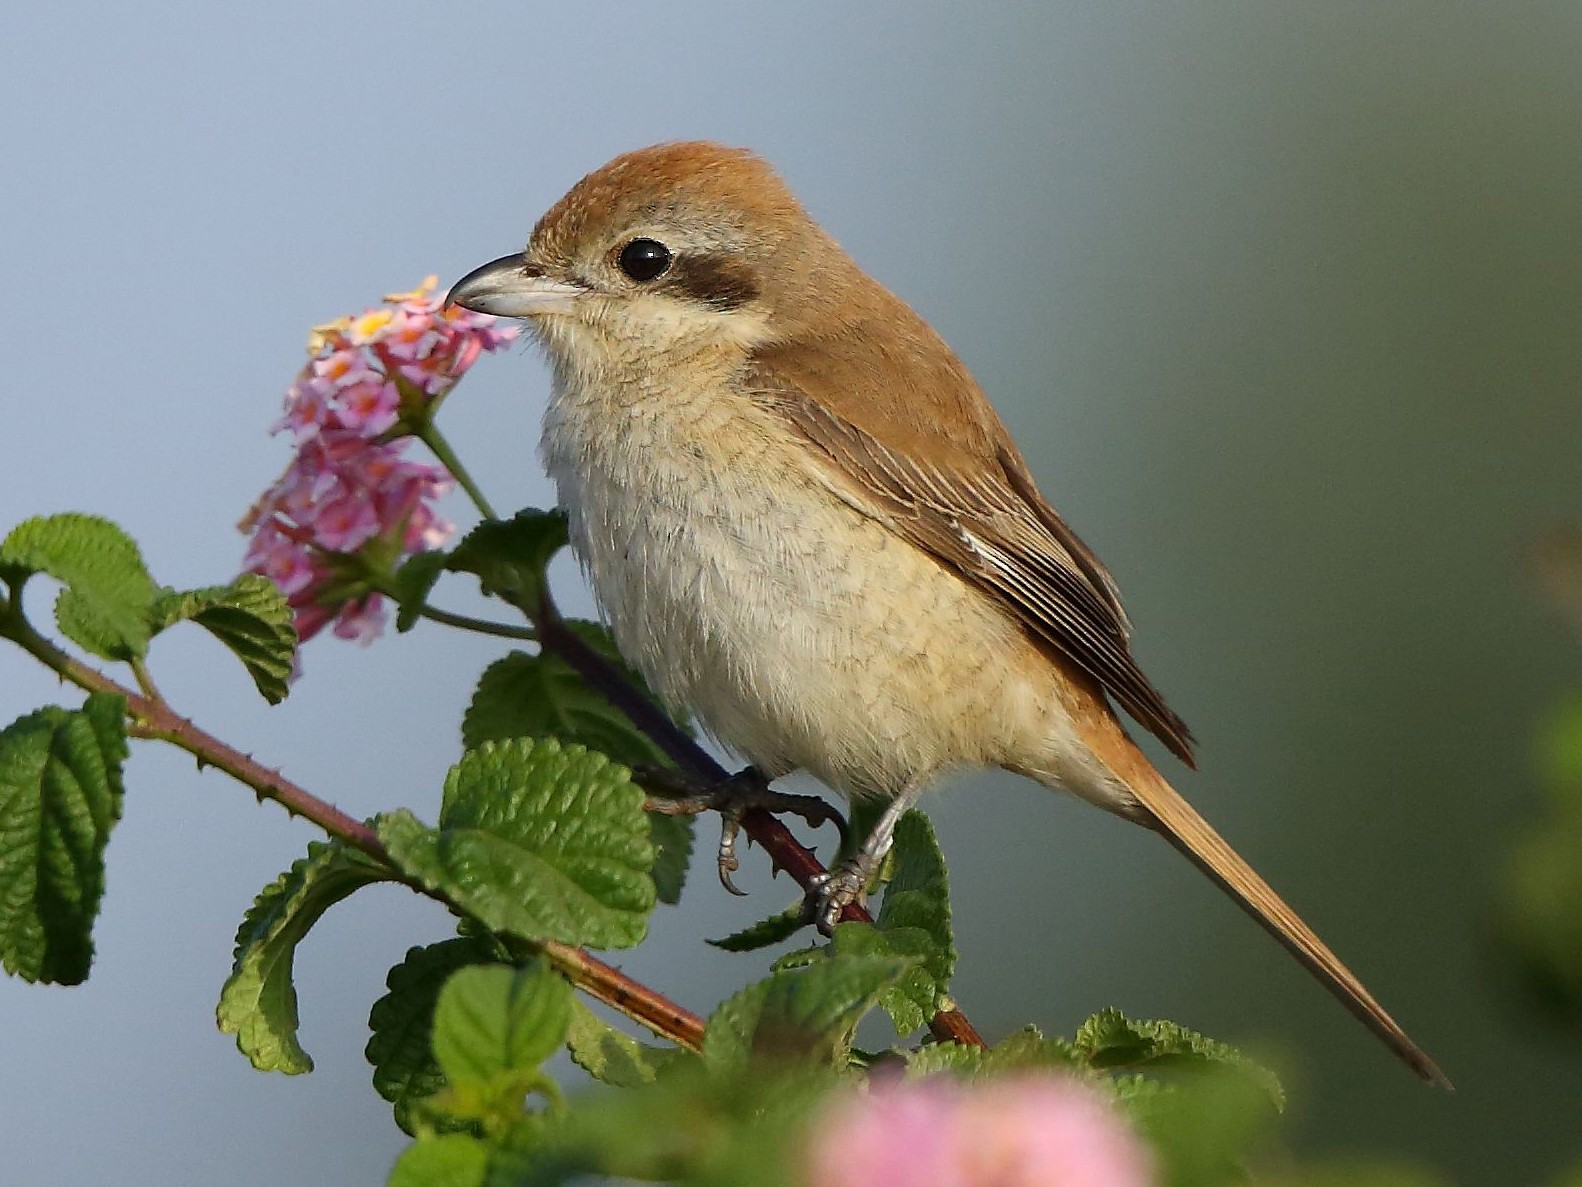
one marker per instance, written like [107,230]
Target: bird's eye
[644,259]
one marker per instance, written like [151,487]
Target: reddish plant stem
[154,719]
[784,850]
[632,998]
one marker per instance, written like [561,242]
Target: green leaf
[538,840]
[933,1059]
[540,696]
[767,931]
[492,1020]
[104,607]
[259,1002]
[671,837]
[1365,1173]
[728,1036]
[1027,1049]
[1023,1050]
[450,1160]
[1560,754]
[60,795]
[250,616]
[917,898]
[691,1126]
[612,1057]
[800,958]
[1205,1127]
[493,1027]
[1134,1092]
[799,1015]
[1538,929]
[414,580]
[1109,1040]
[913,926]
[913,999]
[509,556]
[402,1023]
[820,1006]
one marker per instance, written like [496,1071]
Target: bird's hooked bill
[511,287]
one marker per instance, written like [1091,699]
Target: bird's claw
[733,798]
[729,863]
[831,892]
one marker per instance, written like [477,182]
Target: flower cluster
[1022,1131]
[349,493]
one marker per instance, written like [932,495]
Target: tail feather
[1161,807]
[1179,823]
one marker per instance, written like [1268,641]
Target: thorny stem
[153,718]
[784,850]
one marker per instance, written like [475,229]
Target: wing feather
[991,526]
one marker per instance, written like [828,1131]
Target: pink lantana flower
[1021,1131]
[350,500]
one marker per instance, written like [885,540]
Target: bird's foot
[833,891]
[733,798]
[829,894]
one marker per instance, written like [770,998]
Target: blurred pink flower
[1021,1131]
[349,490]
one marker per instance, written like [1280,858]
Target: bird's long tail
[1179,823]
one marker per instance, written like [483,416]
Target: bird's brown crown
[732,188]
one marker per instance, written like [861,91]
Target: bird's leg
[830,893]
[733,798]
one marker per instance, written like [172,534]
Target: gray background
[1282,301]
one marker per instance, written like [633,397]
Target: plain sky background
[1283,302]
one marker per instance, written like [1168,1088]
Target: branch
[784,850]
[153,718]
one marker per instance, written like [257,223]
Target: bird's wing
[974,507]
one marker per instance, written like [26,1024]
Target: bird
[807,527]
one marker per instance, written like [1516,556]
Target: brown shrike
[809,529]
